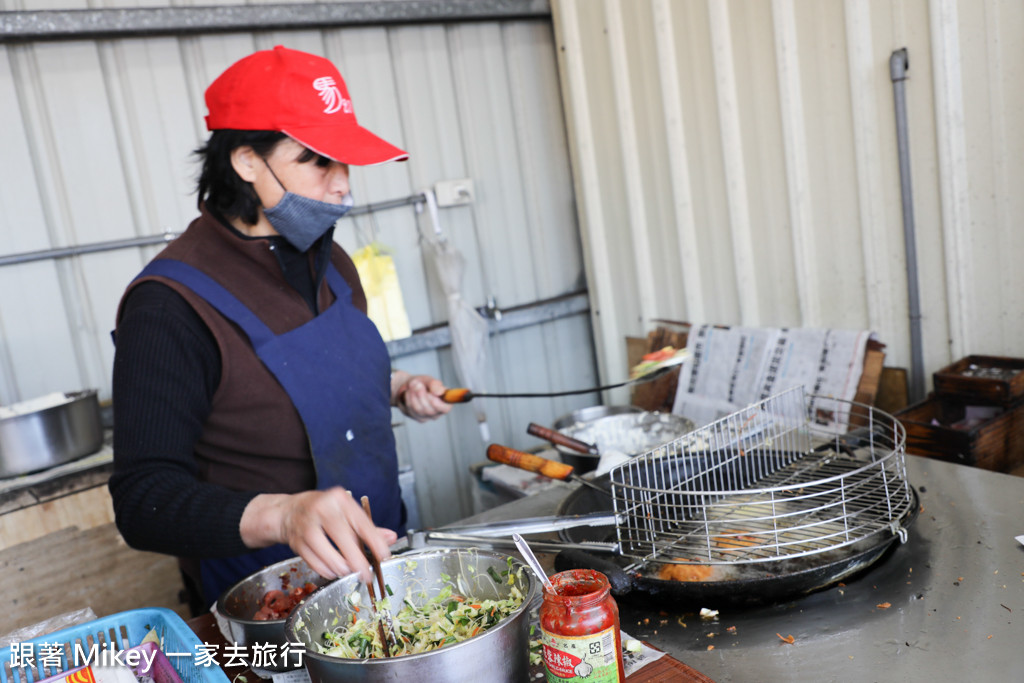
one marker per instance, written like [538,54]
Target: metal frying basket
[790,476]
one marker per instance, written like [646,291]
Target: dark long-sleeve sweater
[166,370]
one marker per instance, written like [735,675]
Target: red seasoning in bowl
[580,633]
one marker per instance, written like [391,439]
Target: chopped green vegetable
[536,649]
[388,589]
[441,620]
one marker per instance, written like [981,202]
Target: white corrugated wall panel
[98,134]
[739,160]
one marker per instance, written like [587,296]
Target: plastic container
[96,674]
[121,631]
[580,632]
[146,660]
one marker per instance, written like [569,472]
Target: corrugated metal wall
[733,162]
[736,163]
[96,136]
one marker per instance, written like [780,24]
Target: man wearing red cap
[252,393]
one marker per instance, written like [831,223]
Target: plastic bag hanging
[384,303]
[469,329]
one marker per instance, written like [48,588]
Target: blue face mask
[301,220]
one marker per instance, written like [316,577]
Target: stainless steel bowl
[240,603]
[499,654]
[51,436]
[624,429]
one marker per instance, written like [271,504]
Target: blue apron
[336,370]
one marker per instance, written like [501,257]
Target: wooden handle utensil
[457,395]
[647,373]
[542,466]
[561,439]
[381,630]
[529,462]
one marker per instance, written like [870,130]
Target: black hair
[219,187]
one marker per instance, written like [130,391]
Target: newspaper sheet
[730,368]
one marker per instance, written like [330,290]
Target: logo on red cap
[331,95]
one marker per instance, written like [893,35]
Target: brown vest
[253,439]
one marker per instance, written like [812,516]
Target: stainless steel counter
[955,590]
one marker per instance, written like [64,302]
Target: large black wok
[749,584]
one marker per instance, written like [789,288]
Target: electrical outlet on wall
[454,192]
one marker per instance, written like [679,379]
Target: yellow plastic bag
[384,302]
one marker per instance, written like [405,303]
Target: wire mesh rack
[791,476]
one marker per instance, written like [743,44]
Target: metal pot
[51,436]
[625,429]
[501,653]
[239,603]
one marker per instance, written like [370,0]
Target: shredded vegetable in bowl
[422,622]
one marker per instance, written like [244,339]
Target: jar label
[588,659]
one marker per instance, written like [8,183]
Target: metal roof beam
[21,26]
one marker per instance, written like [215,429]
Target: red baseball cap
[298,94]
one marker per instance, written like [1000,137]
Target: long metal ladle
[463,395]
[531,560]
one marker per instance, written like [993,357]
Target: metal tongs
[386,633]
[499,534]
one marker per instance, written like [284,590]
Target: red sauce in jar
[580,633]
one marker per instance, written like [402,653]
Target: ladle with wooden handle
[534,463]
[561,439]
[649,373]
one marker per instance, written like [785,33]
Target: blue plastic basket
[120,631]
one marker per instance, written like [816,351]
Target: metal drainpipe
[898,65]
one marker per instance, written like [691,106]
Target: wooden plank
[72,569]
[84,510]
[870,378]
[893,393]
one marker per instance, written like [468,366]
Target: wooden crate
[1004,383]
[933,430]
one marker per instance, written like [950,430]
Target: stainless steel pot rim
[415,555]
[224,610]
[591,413]
[69,396]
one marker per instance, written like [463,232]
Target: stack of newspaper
[730,368]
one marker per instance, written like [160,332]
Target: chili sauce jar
[580,633]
